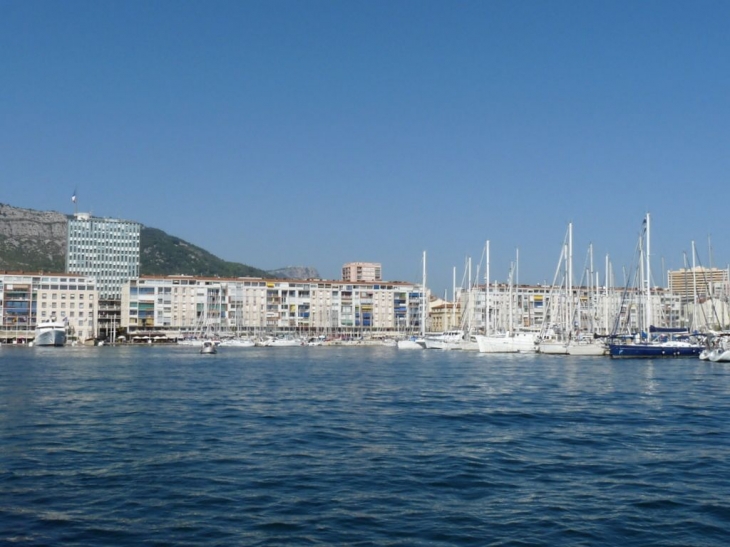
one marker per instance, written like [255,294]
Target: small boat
[717,348]
[718,351]
[208,347]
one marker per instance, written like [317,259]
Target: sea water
[360,446]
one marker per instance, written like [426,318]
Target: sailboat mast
[487,330]
[510,324]
[453,296]
[424,299]
[694,288]
[649,318]
[606,292]
[517,285]
[570,277]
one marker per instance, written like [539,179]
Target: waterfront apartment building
[185,305]
[27,299]
[251,306]
[106,248]
[362,272]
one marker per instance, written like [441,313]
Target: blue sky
[316,133]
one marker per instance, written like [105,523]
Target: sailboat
[557,324]
[652,341]
[457,338]
[509,341]
[585,343]
[468,341]
[413,342]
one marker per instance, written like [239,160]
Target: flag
[73,198]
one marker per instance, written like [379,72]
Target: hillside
[163,254]
[33,241]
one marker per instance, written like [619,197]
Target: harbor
[364,274]
[589,315]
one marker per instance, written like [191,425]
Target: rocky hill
[295,272]
[34,241]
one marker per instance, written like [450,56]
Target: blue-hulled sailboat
[655,341]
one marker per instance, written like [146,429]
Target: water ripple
[360,446]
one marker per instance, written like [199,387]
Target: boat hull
[719,356]
[50,337]
[634,351]
[430,343]
[409,344]
[553,348]
[587,350]
[208,348]
[238,343]
[509,343]
[285,343]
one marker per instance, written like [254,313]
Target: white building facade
[29,299]
[254,306]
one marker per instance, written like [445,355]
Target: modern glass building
[105,248]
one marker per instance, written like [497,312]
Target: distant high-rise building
[106,248]
[699,281]
[362,271]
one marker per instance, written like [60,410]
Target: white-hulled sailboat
[418,342]
[510,341]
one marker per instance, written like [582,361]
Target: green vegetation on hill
[163,254]
[30,256]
